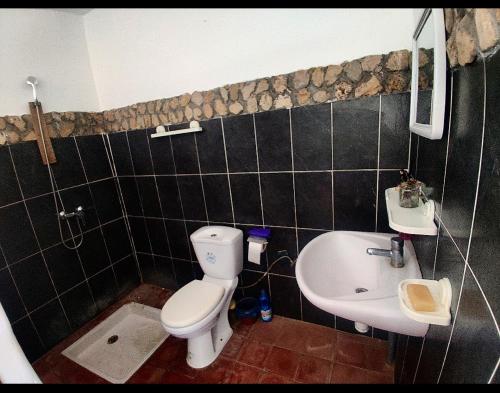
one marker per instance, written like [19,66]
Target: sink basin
[335,273]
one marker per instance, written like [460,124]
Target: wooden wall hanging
[38,132]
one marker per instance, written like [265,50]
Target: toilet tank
[219,250]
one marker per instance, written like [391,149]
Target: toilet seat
[191,303]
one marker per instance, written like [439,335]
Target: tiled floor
[283,351]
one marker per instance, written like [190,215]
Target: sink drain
[113,339]
[359,290]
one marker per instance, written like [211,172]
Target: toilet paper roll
[254,251]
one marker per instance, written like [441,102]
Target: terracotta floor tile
[376,377]
[375,359]
[268,332]
[254,353]
[233,346]
[283,362]
[168,352]
[242,328]
[343,374]
[49,378]
[70,372]
[350,352]
[243,374]
[291,336]
[147,374]
[270,378]
[217,372]
[172,377]
[314,370]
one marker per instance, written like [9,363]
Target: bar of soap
[420,297]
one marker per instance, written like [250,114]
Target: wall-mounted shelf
[441,293]
[417,220]
[194,126]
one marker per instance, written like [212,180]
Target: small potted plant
[410,190]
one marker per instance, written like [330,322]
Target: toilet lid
[191,303]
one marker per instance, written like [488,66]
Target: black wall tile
[313,314]
[33,175]
[178,241]
[127,274]
[183,272]
[312,137]
[103,289]
[130,194]
[472,355]
[93,253]
[249,278]
[305,236]
[9,297]
[106,200]
[240,143]
[347,325]
[282,239]
[165,276]
[64,267]
[18,243]
[33,292]
[412,355]
[355,133]
[51,323]
[10,189]
[394,131]
[79,305]
[169,197]
[425,249]
[313,193]
[246,199]
[161,152]
[139,149]
[218,198]
[211,147]
[117,240]
[28,339]
[68,170]
[277,199]
[285,296]
[185,155]
[464,152]
[147,265]
[121,154]
[273,140]
[158,236]
[149,196]
[193,226]
[354,200]
[139,234]
[94,157]
[192,197]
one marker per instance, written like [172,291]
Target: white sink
[332,266]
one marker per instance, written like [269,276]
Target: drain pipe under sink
[361,327]
[14,366]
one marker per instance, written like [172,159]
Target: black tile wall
[465,250]
[121,154]
[93,154]
[139,150]
[280,175]
[105,197]
[68,170]
[79,305]
[28,338]
[64,266]
[10,189]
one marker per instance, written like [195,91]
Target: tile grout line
[490,380]
[37,241]
[378,161]
[98,220]
[179,193]
[258,171]
[122,204]
[227,169]
[472,222]
[201,178]
[294,201]
[160,204]
[331,166]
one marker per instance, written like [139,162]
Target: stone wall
[471,32]
[368,76]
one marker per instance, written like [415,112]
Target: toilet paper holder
[260,240]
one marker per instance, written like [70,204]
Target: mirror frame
[438,101]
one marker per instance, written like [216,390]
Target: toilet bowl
[199,310]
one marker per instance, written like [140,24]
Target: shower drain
[113,339]
[359,290]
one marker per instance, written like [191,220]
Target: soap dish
[441,293]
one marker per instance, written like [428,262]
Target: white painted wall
[51,46]
[145,54]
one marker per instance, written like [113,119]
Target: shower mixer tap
[79,213]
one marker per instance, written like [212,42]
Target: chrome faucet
[395,253]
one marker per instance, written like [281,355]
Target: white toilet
[199,310]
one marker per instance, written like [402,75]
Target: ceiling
[77,11]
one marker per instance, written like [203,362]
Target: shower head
[31,80]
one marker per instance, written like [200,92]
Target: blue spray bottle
[266,312]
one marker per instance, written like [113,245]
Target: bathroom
[134,141]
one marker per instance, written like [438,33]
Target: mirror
[428,84]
